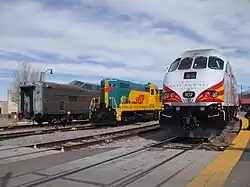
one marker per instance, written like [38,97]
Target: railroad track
[11,135]
[85,141]
[30,126]
[123,182]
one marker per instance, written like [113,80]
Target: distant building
[3,108]
[11,106]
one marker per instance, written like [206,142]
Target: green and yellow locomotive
[124,102]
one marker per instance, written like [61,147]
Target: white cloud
[141,49]
[86,69]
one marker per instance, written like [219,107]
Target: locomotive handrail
[113,102]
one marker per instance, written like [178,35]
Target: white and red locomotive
[199,92]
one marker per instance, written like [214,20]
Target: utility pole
[241,86]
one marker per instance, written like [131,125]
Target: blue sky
[128,39]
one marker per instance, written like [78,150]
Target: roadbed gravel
[135,141]
[37,128]
[36,139]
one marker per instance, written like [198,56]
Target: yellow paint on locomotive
[140,101]
[106,94]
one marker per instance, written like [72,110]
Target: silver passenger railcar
[199,93]
[53,102]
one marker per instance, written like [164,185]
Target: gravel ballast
[36,139]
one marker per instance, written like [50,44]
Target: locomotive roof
[54,85]
[128,82]
[202,52]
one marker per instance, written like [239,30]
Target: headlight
[214,94]
[166,94]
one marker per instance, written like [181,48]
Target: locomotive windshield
[215,63]
[185,63]
[200,63]
[174,65]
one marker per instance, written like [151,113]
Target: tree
[24,73]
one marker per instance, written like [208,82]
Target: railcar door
[27,100]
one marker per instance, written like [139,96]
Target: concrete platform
[9,154]
[240,175]
[232,167]
[78,170]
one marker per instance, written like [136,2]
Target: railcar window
[200,63]
[61,105]
[185,63]
[215,63]
[72,98]
[78,83]
[174,65]
[96,100]
[88,86]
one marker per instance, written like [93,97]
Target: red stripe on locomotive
[204,97]
[175,97]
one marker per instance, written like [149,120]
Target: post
[41,76]
[241,91]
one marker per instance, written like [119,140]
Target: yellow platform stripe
[215,174]
[244,122]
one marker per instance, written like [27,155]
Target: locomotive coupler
[190,122]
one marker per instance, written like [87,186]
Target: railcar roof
[65,86]
[81,82]
[55,85]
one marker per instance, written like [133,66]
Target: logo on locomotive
[139,99]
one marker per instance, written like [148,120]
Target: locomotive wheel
[39,122]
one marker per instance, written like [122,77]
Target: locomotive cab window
[185,63]
[174,65]
[156,92]
[200,63]
[215,63]
[152,91]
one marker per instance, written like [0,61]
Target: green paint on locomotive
[118,88]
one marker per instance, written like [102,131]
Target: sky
[134,40]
